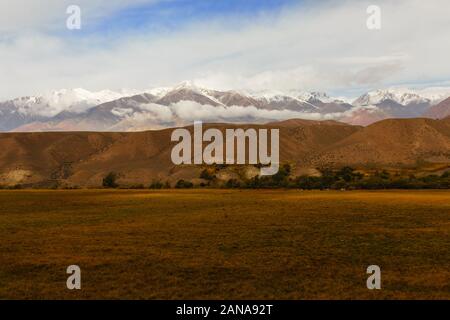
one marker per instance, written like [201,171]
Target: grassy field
[224,244]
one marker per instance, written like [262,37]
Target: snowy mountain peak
[187,84]
[313,96]
[399,95]
[435,94]
[72,100]
[404,96]
[166,106]
[158,91]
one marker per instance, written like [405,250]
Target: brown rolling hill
[84,158]
[391,142]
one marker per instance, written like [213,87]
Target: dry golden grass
[224,244]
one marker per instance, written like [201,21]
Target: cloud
[321,46]
[189,111]
[156,111]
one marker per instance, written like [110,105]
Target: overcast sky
[252,44]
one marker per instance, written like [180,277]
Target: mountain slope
[439,111]
[40,157]
[47,107]
[81,110]
[392,142]
[84,158]
[395,103]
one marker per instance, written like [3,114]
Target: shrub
[137,186]
[254,183]
[383,175]
[207,175]
[110,180]
[309,183]
[182,184]
[281,178]
[232,183]
[156,185]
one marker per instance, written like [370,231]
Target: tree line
[344,178]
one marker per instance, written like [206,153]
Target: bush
[156,185]
[110,180]
[278,180]
[346,178]
[232,183]
[207,175]
[137,186]
[383,175]
[254,183]
[182,184]
[309,183]
[281,178]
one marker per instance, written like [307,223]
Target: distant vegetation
[183,184]
[349,178]
[344,178]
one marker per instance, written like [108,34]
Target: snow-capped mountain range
[404,96]
[72,100]
[130,110]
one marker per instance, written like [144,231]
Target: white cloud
[191,111]
[155,116]
[156,111]
[324,47]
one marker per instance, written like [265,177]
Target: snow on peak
[400,95]
[404,96]
[271,95]
[435,94]
[72,100]
[158,91]
[302,96]
[311,96]
[187,84]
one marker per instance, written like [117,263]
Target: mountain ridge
[157,108]
[82,159]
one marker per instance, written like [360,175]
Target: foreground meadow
[224,244]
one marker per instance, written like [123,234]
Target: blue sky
[171,15]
